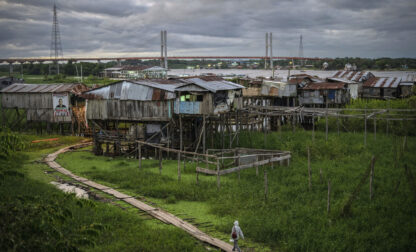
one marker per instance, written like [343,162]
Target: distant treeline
[89,68]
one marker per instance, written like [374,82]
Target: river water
[278,73]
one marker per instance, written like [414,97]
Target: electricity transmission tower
[56,46]
[302,62]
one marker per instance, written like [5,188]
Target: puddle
[79,193]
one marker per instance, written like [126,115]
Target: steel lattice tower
[302,62]
[56,46]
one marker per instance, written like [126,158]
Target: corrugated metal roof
[323,85]
[212,84]
[383,82]
[141,90]
[409,78]
[45,88]
[343,80]
[357,76]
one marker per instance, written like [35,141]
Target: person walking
[236,233]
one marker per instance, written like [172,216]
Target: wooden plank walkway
[157,213]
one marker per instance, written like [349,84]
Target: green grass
[293,218]
[38,217]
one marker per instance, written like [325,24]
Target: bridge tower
[302,62]
[56,46]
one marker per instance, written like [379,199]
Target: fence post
[326,123]
[140,155]
[365,125]
[265,184]
[160,161]
[218,175]
[328,202]
[313,126]
[375,128]
[257,166]
[309,169]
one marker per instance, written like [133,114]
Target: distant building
[382,88]
[354,88]
[135,72]
[323,93]
[50,103]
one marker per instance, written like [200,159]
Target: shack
[207,95]
[407,84]
[324,93]
[355,88]
[357,76]
[382,88]
[50,103]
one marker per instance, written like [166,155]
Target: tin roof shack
[323,93]
[207,95]
[138,101]
[382,88]
[283,93]
[299,81]
[252,87]
[355,88]
[128,110]
[407,85]
[51,103]
[357,76]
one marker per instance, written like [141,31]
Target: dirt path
[158,213]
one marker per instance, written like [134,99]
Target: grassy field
[38,217]
[40,79]
[293,218]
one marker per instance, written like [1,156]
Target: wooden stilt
[265,185]
[160,161]
[140,155]
[365,126]
[180,147]
[309,169]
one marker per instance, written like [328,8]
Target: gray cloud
[331,28]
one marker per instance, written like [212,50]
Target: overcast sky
[330,28]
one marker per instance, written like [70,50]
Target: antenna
[302,62]
[56,46]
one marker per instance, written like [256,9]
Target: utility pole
[56,46]
[302,62]
[271,53]
[267,51]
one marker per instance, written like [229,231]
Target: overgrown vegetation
[292,218]
[37,217]
[398,127]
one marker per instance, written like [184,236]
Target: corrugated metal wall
[39,106]
[128,110]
